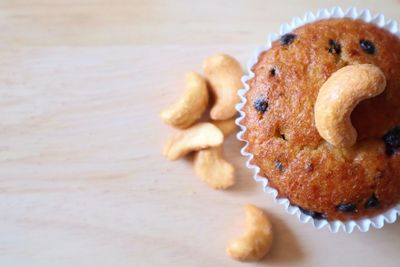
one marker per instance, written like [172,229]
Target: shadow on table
[391,230]
[285,248]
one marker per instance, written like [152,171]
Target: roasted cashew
[191,105]
[213,169]
[227,127]
[257,240]
[224,74]
[338,97]
[197,137]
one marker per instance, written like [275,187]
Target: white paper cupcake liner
[363,225]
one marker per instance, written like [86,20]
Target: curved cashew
[227,127]
[213,169]
[257,240]
[224,74]
[197,137]
[338,97]
[191,105]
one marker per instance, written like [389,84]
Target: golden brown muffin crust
[325,181]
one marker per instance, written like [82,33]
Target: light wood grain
[82,180]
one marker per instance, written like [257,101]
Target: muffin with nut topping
[323,118]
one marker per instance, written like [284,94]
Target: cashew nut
[257,240]
[338,97]
[213,169]
[197,137]
[227,127]
[191,105]
[224,74]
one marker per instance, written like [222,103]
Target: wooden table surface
[82,179]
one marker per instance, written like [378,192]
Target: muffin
[326,181]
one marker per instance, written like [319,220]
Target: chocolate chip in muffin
[392,140]
[279,165]
[347,208]
[261,104]
[367,46]
[334,47]
[372,202]
[273,72]
[314,214]
[287,39]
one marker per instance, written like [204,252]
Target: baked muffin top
[323,180]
